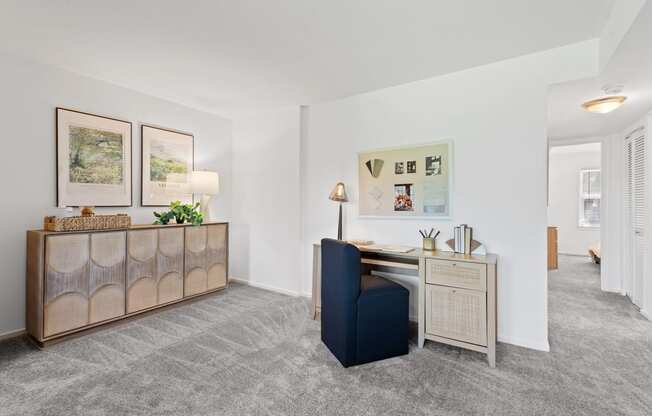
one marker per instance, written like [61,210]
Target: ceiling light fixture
[606,104]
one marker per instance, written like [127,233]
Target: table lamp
[338,194]
[206,184]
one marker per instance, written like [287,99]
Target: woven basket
[95,222]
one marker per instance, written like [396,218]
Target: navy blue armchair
[364,318]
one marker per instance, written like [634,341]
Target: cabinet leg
[491,357]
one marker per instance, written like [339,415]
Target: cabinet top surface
[417,253]
[132,227]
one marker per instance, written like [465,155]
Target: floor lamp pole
[339,224]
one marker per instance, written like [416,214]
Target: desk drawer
[457,274]
[458,314]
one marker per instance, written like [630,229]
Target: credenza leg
[491,357]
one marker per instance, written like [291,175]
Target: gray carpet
[251,352]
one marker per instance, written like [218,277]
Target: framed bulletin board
[407,182]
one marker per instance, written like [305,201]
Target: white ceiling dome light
[606,104]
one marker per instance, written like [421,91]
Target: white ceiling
[630,66]
[228,56]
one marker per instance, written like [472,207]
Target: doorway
[575,201]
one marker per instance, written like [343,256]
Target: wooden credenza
[80,280]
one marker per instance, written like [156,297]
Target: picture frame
[166,163]
[93,160]
[425,193]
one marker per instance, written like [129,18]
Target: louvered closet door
[635,215]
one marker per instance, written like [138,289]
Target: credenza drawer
[460,274]
[458,314]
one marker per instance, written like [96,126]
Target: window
[589,198]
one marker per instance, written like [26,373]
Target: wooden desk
[456,294]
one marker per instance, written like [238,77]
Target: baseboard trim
[12,334]
[539,346]
[574,255]
[617,291]
[264,286]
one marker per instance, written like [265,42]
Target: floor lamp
[338,194]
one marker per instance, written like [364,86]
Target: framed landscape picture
[418,186]
[167,161]
[93,160]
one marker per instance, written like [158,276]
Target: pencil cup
[428,243]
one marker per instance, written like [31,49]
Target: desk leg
[316,280]
[421,296]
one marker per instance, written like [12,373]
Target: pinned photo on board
[403,197]
[412,166]
[433,165]
[399,168]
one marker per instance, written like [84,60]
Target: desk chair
[364,318]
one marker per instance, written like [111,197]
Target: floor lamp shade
[338,194]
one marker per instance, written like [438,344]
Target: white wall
[566,162]
[30,93]
[496,116]
[611,227]
[265,231]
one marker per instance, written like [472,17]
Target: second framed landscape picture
[167,161]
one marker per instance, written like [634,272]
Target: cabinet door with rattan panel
[205,259]
[66,305]
[458,314]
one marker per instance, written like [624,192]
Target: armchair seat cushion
[374,285]
[383,309]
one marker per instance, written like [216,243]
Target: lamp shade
[338,193]
[205,182]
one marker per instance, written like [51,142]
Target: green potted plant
[181,213]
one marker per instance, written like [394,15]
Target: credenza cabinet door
[155,268]
[66,283]
[216,256]
[169,265]
[205,259]
[455,313]
[106,286]
[141,269]
[84,280]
